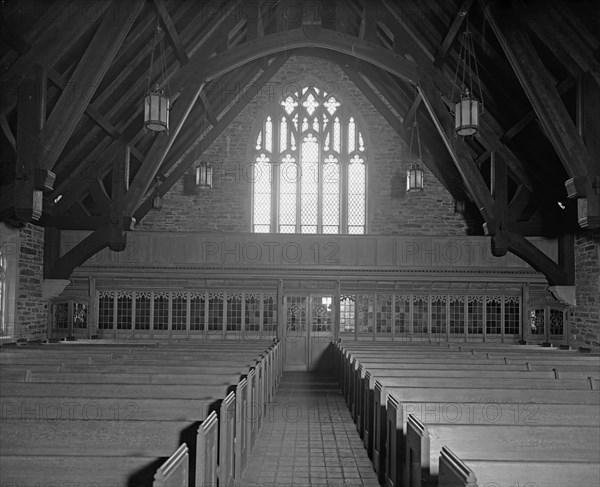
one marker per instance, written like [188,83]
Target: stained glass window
[310,168]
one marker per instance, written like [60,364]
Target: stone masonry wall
[31,308]
[585,317]
[226,207]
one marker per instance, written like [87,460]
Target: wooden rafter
[523,248]
[87,76]
[490,130]
[540,90]
[172,34]
[307,36]
[98,160]
[400,129]
[456,148]
[463,10]
[60,33]
[209,138]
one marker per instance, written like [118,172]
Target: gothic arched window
[310,172]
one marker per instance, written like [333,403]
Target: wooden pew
[384,386]
[494,442]
[388,436]
[244,438]
[456,472]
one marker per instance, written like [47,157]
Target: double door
[308,330]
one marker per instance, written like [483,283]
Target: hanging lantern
[156,102]
[414,178]
[156,111]
[466,79]
[414,173]
[204,175]
[466,115]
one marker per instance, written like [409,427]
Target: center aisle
[308,439]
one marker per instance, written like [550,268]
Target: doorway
[308,330]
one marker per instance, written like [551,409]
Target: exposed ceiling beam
[87,76]
[461,15]
[457,149]
[172,34]
[205,142]
[540,90]
[523,248]
[431,162]
[307,36]
[61,31]
[96,161]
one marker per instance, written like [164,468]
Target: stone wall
[226,207]
[585,317]
[31,308]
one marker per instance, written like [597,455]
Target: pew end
[175,471]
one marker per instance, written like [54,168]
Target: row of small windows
[376,314]
[309,168]
[187,310]
[415,314]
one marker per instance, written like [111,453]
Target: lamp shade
[466,116]
[156,111]
[204,175]
[414,178]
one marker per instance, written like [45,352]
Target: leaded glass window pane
[288,184]
[556,322]
[420,311]
[262,194]
[142,310]
[457,315]
[234,311]
[105,310]
[401,315]
[347,314]
[493,315]
[124,302]
[512,315]
[179,313]
[356,195]
[161,310]
[309,184]
[331,196]
[308,198]
[197,311]
[536,322]
[475,315]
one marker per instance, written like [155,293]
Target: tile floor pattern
[308,439]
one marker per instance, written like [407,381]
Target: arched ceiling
[74,73]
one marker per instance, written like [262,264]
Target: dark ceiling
[78,72]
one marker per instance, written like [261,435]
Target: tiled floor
[308,439]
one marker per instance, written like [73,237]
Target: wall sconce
[204,175]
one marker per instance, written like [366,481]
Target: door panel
[308,331]
[321,331]
[296,333]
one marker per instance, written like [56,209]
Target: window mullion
[344,172]
[275,187]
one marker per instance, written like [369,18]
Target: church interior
[300,242]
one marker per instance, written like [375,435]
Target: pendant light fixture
[156,102]
[466,80]
[414,173]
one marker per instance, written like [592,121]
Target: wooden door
[295,332]
[308,330]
